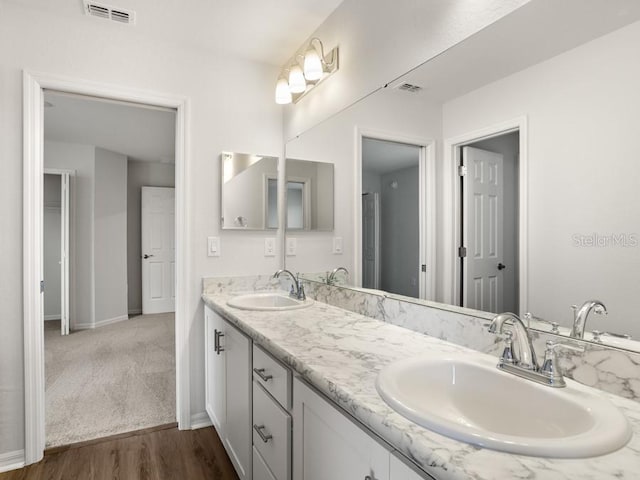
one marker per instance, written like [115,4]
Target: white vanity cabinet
[228,389]
[271,417]
[328,445]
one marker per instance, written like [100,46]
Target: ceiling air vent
[408,87]
[108,12]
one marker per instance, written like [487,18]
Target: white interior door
[64,253]
[371,240]
[483,227]
[158,250]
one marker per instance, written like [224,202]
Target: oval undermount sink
[273,301]
[469,399]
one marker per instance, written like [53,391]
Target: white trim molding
[101,323]
[427,204]
[34,84]
[200,420]
[11,460]
[451,207]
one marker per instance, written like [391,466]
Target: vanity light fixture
[303,76]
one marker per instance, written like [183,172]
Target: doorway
[57,239]
[35,85]
[395,219]
[114,156]
[489,228]
[485,222]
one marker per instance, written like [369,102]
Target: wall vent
[108,12]
[409,87]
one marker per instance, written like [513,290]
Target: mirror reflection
[309,195]
[249,189]
[531,205]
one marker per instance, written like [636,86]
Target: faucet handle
[550,367]
[508,355]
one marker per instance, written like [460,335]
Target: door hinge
[462,252]
[462,170]
[423,267]
[41,286]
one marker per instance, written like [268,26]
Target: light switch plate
[269,247]
[337,245]
[213,246]
[292,246]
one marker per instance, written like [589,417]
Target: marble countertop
[340,353]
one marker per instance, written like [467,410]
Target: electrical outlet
[213,246]
[337,245]
[269,247]
[292,246]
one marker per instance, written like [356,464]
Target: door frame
[451,273]
[69,265]
[427,202]
[34,84]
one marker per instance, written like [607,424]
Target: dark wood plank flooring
[152,454]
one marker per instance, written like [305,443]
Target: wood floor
[152,454]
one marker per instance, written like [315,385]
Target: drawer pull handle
[265,437]
[260,373]
[216,341]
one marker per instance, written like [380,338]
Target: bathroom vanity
[301,403]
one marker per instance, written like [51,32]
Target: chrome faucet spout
[526,354]
[332,276]
[581,315]
[297,290]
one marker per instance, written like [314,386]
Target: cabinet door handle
[260,373]
[265,437]
[216,341]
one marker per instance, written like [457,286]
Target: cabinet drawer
[272,433]
[273,376]
[260,469]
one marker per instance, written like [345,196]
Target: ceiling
[382,157]
[267,31]
[137,131]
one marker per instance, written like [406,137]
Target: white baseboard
[101,323]
[11,460]
[200,420]
[52,317]
[135,311]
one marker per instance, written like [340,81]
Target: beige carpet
[109,380]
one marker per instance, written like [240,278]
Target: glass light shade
[283,94]
[312,65]
[297,83]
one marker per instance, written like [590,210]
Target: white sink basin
[268,301]
[469,399]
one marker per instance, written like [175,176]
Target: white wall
[140,174]
[388,111]
[51,248]
[583,177]
[231,108]
[110,237]
[508,146]
[380,41]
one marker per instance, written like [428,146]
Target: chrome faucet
[523,362]
[580,316]
[298,292]
[526,357]
[331,277]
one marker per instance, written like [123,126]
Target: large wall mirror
[521,194]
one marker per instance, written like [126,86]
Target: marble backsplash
[612,370]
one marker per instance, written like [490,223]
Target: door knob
[501,266]
[145,256]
